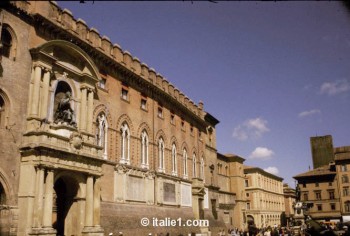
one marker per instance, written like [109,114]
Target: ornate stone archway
[60,159]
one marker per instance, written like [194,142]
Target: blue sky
[273,73]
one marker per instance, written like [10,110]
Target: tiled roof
[253,169]
[323,170]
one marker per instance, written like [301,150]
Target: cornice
[52,29]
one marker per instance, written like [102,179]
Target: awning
[346,218]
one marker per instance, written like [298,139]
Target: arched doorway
[250,220]
[66,210]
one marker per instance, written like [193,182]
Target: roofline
[248,170]
[230,158]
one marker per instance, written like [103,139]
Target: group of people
[266,231]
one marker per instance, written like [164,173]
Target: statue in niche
[101,128]
[64,113]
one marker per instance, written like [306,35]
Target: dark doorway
[61,191]
[66,191]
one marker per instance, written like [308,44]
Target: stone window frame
[194,165]
[125,144]
[343,168]
[172,118]
[160,111]
[201,170]
[318,195]
[306,196]
[347,206]
[332,206]
[161,150]
[4,109]
[124,93]
[144,150]
[331,194]
[174,160]
[185,162]
[246,183]
[143,103]
[13,44]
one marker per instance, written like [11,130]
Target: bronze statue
[64,113]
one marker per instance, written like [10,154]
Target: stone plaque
[186,195]
[136,189]
[206,199]
[169,192]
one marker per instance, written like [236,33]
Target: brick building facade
[93,140]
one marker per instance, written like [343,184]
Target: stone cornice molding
[128,67]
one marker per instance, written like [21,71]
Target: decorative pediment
[69,57]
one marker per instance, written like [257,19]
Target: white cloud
[261,153]
[309,113]
[252,128]
[273,170]
[333,88]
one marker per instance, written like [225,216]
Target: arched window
[194,166]
[101,133]
[2,112]
[161,154]
[347,206]
[8,42]
[144,150]
[173,160]
[184,156]
[201,172]
[125,144]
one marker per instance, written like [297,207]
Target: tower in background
[322,150]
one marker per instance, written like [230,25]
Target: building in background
[289,202]
[231,173]
[326,188]
[321,150]
[342,161]
[319,188]
[264,192]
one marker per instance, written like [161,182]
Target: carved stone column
[89,204]
[92,209]
[90,110]
[37,215]
[45,94]
[36,91]
[83,109]
[47,216]
[97,204]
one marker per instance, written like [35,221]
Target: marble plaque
[169,192]
[186,195]
[136,189]
[206,199]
